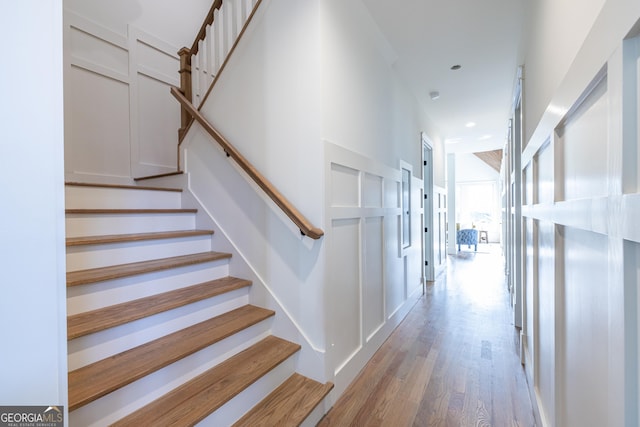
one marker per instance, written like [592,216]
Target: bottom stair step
[93,381]
[288,405]
[196,399]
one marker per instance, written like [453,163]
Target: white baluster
[195,79]
[240,14]
[215,60]
[209,60]
[230,23]
[243,12]
[220,48]
[201,61]
[248,7]
[213,47]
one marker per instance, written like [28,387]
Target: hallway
[453,361]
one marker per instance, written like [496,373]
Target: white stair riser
[105,224]
[110,292]
[103,255]
[100,345]
[234,409]
[126,400]
[119,198]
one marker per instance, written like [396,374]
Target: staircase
[159,333]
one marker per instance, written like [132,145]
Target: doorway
[427,208]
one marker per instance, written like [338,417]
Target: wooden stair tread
[288,405]
[93,381]
[160,175]
[129,211]
[122,186]
[134,237]
[196,399]
[97,320]
[93,275]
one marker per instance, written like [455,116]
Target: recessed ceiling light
[484,137]
[452,140]
[434,95]
[470,124]
[456,67]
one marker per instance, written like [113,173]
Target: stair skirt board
[124,272]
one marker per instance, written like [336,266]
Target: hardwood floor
[452,362]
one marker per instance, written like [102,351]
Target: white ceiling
[483,36]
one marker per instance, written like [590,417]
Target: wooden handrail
[203,29]
[305,226]
[185,62]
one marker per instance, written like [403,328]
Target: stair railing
[305,226]
[200,68]
[201,65]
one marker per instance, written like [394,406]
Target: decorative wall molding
[580,252]
[371,279]
[121,121]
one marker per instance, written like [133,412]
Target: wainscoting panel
[98,49]
[632,350]
[373,284]
[372,192]
[345,186]
[344,281]
[372,277]
[155,115]
[544,326]
[580,218]
[121,121]
[584,139]
[585,329]
[97,133]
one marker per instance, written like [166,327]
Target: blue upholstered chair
[468,236]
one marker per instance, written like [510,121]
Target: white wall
[555,33]
[120,61]
[307,76]
[376,125]
[266,105]
[32,310]
[367,107]
[469,168]
[310,98]
[369,112]
[581,237]
[176,23]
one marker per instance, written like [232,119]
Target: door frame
[426,148]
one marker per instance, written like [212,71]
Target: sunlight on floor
[478,276]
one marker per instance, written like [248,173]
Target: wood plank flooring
[452,362]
